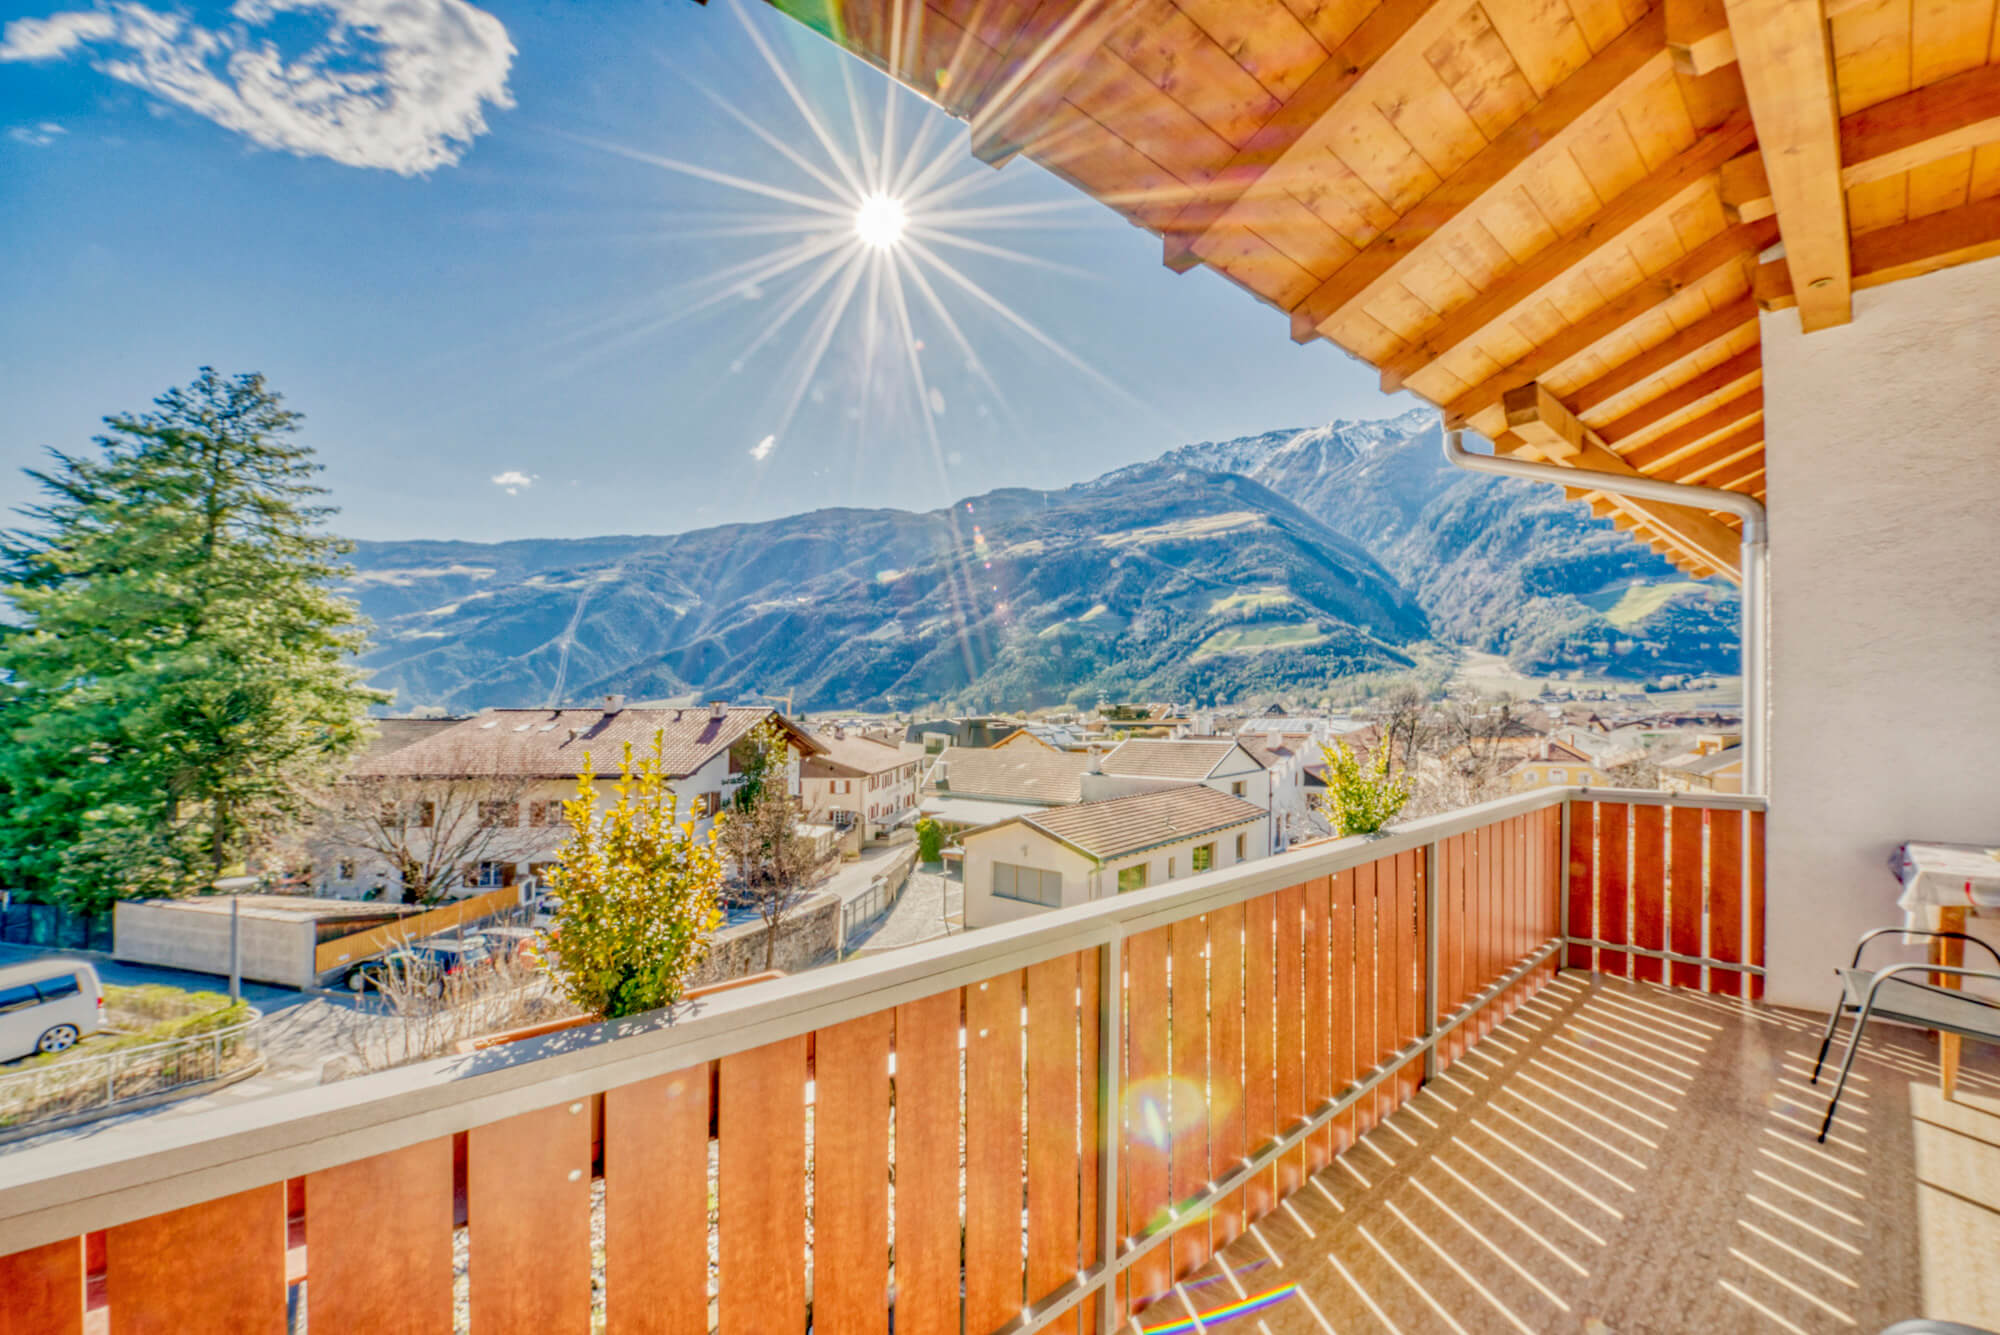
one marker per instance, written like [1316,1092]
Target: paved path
[932,906]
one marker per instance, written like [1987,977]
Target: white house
[529,761]
[861,781]
[1058,856]
[1221,763]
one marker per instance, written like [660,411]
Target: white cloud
[36,136]
[762,449]
[514,481]
[402,85]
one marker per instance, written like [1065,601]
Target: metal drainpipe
[1756,555]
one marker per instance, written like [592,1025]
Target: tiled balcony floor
[1619,1157]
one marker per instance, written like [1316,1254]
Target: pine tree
[175,676]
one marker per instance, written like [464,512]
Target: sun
[880,221]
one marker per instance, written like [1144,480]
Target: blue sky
[445,233]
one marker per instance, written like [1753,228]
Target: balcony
[1364,1084]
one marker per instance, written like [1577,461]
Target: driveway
[300,1032]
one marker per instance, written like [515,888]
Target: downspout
[1756,555]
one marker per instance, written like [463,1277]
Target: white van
[48,1006]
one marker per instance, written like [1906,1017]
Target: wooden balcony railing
[1036,1126]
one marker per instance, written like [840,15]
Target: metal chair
[1886,995]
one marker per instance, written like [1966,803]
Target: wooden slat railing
[1122,1088]
[1669,889]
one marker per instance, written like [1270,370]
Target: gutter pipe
[1754,565]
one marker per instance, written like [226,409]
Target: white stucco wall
[1083,880]
[1884,469]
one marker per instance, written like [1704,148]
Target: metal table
[1943,884]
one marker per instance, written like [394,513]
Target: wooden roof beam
[1953,116]
[1674,183]
[1393,26]
[1787,66]
[1716,380]
[1735,246]
[1711,328]
[1935,241]
[1668,448]
[1733,448]
[1698,36]
[1697,533]
[1739,475]
[1638,55]
[1029,87]
[1542,420]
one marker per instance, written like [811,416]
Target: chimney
[941,776]
[718,709]
[613,703]
[839,733]
[1096,765]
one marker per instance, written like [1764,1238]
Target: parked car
[48,1006]
[427,963]
[521,944]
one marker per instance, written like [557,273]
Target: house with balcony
[1729,275]
[861,783]
[509,771]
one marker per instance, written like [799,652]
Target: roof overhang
[1560,227]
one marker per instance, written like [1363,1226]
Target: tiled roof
[1151,758]
[552,743]
[1122,825]
[1012,774]
[859,755]
[1714,761]
[393,734]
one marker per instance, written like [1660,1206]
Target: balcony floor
[1618,1157]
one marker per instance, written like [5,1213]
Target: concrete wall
[809,936]
[1884,470]
[275,950]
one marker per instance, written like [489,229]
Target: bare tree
[778,865]
[1465,754]
[431,829]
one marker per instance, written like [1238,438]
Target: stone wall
[809,936]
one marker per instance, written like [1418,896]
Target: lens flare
[880,221]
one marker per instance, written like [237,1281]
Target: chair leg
[1846,1065]
[1826,1041]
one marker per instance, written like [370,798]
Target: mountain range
[1268,564]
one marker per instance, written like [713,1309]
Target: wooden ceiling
[1557,220]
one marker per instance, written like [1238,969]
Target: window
[17,999]
[1030,885]
[1203,858]
[494,815]
[346,869]
[54,989]
[1242,847]
[1236,789]
[1132,878]
[1170,869]
[1558,776]
[546,813]
[493,875]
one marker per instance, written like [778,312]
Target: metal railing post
[1430,959]
[1563,869]
[1110,1039]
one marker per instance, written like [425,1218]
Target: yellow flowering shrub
[639,894]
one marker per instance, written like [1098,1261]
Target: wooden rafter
[1669,446]
[1039,63]
[1671,184]
[1696,533]
[1513,156]
[1934,241]
[1395,25]
[1922,126]
[1728,375]
[1698,36]
[1787,65]
[1736,445]
[1735,246]
[1711,328]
